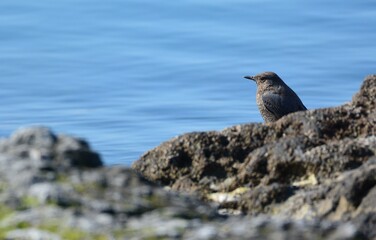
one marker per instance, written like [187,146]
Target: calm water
[129,74]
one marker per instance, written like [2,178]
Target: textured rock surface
[317,164]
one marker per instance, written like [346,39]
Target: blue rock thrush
[274,98]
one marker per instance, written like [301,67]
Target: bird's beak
[250,78]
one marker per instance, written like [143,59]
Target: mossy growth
[72,233]
[89,188]
[28,202]
[22,225]
[147,234]
[62,178]
[3,186]
[5,212]
[156,201]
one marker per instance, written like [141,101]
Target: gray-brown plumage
[274,98]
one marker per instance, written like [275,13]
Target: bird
[274,98]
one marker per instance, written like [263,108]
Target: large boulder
[317,164]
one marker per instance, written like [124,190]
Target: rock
[31,234]
[315,164]
[65,194]
[46,149]
[264,227]
[48,192]
[76,152]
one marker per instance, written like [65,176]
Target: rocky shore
[310,175]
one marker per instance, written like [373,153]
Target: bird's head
[269,78]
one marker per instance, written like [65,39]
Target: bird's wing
[275,104]
[301,106]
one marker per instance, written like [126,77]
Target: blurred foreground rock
[312,167]
[55,187]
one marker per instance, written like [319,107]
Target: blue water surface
[129,74]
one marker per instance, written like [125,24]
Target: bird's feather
[280,106]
